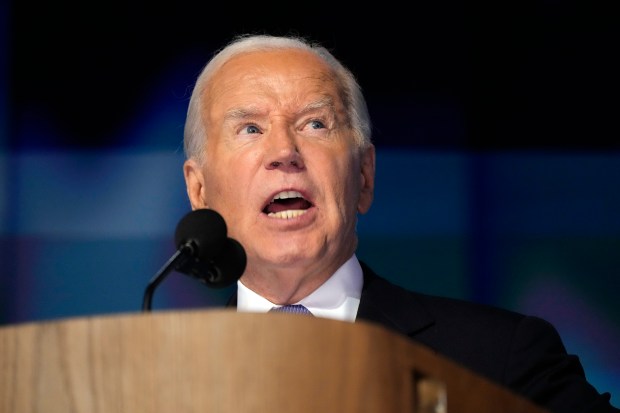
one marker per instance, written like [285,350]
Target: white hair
[195,134]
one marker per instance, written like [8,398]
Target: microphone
[220,271]
[203,231]
[204,251]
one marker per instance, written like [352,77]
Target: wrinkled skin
[275,122]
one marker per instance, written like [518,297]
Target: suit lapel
[391,306]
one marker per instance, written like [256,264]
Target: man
[278,141]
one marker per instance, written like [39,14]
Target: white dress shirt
[337,298]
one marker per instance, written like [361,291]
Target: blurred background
[496,128]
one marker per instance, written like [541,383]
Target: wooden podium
[223,361]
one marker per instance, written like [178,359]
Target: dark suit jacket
[520,352]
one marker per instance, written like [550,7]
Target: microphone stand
[178,259]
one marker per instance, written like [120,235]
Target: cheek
[229,181]
[346,184]
[217,182]
[221,186]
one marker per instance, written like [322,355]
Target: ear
[195,184]
[367,189]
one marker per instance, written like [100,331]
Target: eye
[317,124]
[250,129]
[316,127]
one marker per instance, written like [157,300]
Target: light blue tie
[293,308]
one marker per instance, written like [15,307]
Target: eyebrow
[252,111]
[241,113]
[323,102]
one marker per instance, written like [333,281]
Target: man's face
[281,164]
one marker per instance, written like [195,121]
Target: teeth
[288,214]
[287,195]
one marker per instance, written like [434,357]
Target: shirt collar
[336,298]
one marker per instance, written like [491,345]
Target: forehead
[271,74]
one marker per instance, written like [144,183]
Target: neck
[287,285]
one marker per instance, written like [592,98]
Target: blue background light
[497,152]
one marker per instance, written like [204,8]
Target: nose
[282,151]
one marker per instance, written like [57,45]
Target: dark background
[496,126]
[438,75]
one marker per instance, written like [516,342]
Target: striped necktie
[294,308]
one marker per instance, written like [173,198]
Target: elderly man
[278,141]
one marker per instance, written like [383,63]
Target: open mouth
[287,205]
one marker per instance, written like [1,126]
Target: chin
[289,256]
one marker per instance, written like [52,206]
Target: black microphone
[203,231]
[204,251]
[221,270]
